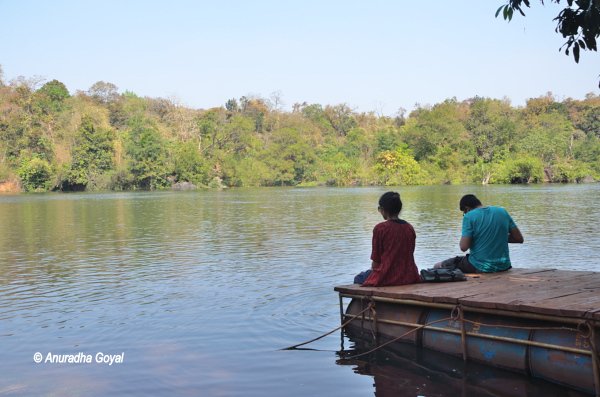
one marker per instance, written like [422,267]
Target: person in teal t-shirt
[486,232]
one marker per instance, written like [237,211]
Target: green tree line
[101,139]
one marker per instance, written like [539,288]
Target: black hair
[391,202]
[469,200]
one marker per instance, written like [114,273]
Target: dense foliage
[103,140]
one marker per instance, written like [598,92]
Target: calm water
[199,290]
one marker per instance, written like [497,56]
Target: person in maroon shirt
[392,257]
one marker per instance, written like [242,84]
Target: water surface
[199,290]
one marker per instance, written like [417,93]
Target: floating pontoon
[540,322]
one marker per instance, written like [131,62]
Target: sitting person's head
[390,204]
[469,202]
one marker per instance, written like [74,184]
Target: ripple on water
[213,283]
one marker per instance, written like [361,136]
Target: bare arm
[465,243]
[515,236]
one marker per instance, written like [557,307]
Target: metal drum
[487,348]
[392,320]
[568,368]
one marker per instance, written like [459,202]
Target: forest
[100,139]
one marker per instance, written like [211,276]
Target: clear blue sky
[372,55]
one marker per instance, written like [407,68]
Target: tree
[547,137]
[579,22]
[55,91]
[93,156]
[106,140]
[290,156]
[585,115]
[189,166]
[338,169]
[103,92]
[357,144]
[386,139]
[316,115]
[146,156]
[429,130]
[566,171]
[231,105]
[588,151]
[209,126]
[522,169]
[341,118]
[256,108]
[35,174]
[51,97]
[491,127]
[398,167]
[276,99]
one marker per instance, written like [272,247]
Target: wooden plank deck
[560,293]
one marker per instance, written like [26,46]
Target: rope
[374,330]
[588,332]
[463,331]
[328,333]
[396,339]
[455,315]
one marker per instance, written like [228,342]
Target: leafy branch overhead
[579,22]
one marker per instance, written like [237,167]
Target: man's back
[488,228]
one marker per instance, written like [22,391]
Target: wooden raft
[549,292]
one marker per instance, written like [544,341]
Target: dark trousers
[362,277]
[460,262]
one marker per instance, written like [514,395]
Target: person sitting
[392,255]
[486,232]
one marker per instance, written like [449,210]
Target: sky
[373,55]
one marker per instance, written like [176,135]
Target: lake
[196,292]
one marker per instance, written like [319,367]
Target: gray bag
[442,275]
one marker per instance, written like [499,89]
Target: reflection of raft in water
[544,323]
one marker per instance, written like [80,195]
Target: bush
[399,168]
[188,164]
[519,170]
[569,171]
[35,174]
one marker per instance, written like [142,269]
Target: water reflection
[408,371]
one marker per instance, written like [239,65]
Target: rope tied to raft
[463,330]
[585,329]
[374,327]
[352,317]
[396,339]
[456,313]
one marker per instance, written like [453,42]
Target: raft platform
[541,322]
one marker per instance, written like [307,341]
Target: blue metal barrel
[500,341]
[498,353]
[571,369]
[388,316]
